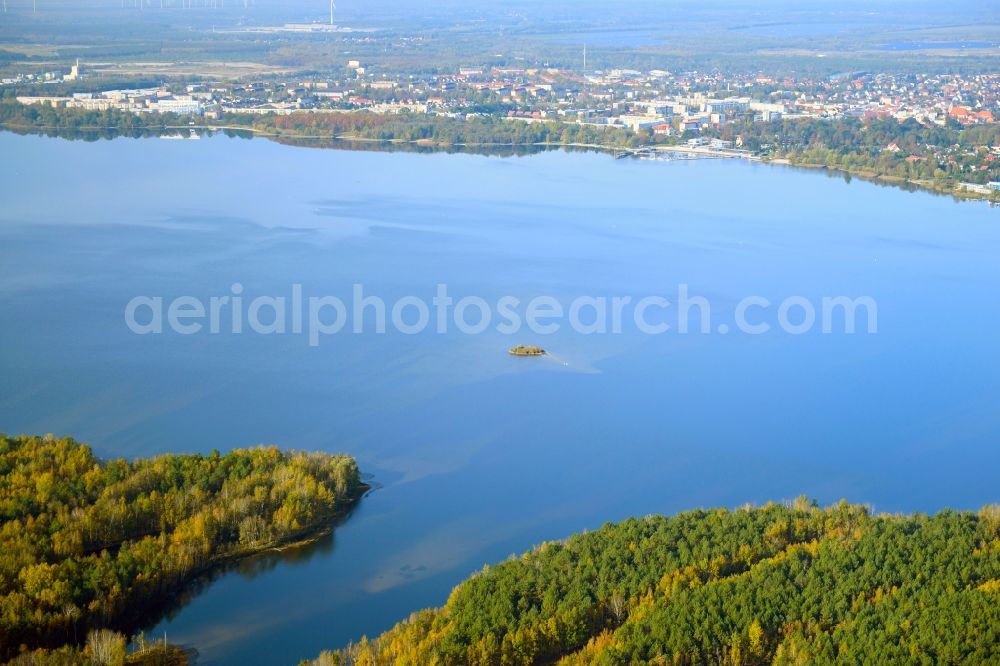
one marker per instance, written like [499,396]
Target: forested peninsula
[87,547]
[777,585]
[90,547]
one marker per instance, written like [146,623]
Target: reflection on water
[247,569]
[90,135]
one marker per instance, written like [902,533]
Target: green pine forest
[778,585]
[88,547]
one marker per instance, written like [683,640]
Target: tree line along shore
[955,160]
[773,585]
[90,548]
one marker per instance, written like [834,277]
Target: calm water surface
[480,455]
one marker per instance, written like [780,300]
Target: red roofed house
[969,117]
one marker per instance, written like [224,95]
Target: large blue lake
[479,454]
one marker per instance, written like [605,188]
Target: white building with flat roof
[638,122]
[176,105]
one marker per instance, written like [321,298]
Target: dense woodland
[773,585]
[88,544]
[475,130]
[908,150]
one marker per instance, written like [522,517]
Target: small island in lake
[527,350]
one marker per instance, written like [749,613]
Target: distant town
[660,101]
